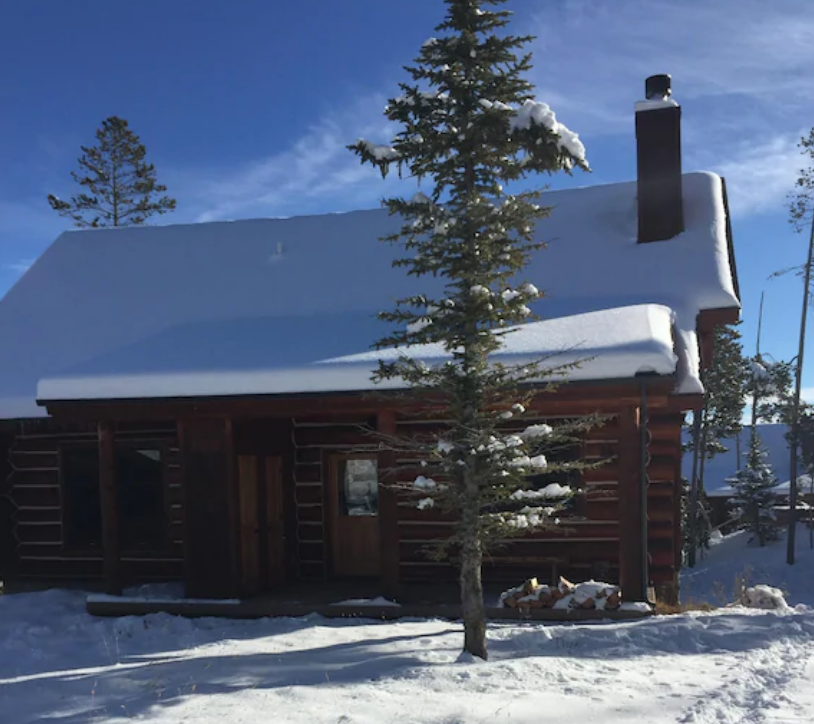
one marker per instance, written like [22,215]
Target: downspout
[692,514]
[644,483]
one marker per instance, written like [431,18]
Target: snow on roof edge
[638,339]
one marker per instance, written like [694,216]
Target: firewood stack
[565,595]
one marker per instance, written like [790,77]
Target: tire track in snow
[757,687]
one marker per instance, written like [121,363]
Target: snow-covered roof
[268,299]
[616,343]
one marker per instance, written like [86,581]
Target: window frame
[335,484]
[163,446]
[166,515]
[66,507]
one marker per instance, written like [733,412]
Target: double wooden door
[262,533]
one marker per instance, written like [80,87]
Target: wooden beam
[233,498]
[631,515]
[684,403]
[109,495]
[388,506]
[709,319]
[209,508]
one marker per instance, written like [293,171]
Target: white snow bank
[640,606]
[57,664]
[765,597]
[732,565]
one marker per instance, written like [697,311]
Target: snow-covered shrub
[765,597]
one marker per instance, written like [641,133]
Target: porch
[343,599]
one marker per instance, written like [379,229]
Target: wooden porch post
[631,513]
[388,507]
[109,496]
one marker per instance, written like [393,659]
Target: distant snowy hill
[724,465]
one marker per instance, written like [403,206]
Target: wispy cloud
[738,69]
[21,266]
[317,172]
[594,55]
[759,176]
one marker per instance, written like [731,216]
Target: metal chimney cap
[658,87]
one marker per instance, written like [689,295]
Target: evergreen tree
[725,382]
[754,487]
[468,122]
[769,386]
[697,529]
[801,216]
[120,187]
[725,387]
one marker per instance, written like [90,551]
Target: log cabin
[190,402]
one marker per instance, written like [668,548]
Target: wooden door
[354,511]
[274,544]
[262,541]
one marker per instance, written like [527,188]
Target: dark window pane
[81,501]
[358,487]
[140,477]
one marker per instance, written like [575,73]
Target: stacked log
[589,595]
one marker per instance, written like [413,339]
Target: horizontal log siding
[587,546]
[314,441]
[32,491]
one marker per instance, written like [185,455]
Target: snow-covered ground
[733,559]
[57,664]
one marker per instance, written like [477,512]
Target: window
[80,497]
[140,477]
[140,483]
[358,486]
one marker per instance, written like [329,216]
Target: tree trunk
[795,407]
[473,609]
[810,521]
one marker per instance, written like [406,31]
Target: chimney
[658,149]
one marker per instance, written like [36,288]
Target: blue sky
[245,107]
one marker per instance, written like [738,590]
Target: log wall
[585,546]
[314,442]
[34,497]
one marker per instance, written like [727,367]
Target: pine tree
[769,386]
[725,385]
[468,122]
[754,492]
[805,440]
[801,216]
[120,186]
[725,382]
